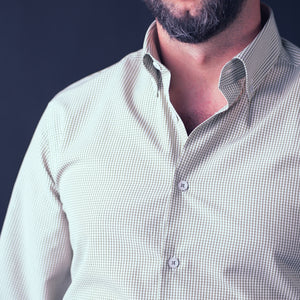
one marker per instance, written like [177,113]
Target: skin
[196,68]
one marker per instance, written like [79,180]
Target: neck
[209,57]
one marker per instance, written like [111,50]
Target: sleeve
[35,250]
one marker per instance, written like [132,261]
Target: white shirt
[115,201]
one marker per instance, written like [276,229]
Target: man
[173,174]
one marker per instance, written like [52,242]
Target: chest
[192,118]
[233,180]
[231,197]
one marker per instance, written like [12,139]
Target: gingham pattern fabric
[115,201]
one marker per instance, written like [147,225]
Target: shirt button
[173,263]
[183,185]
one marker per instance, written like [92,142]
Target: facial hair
[213,17]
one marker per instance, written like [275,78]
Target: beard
[213,17]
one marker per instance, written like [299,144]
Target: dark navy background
[47,45]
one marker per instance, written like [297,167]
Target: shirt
[115,201]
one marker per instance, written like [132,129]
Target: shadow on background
[46,46]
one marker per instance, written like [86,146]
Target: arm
[35,251]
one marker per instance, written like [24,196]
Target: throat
[194,112]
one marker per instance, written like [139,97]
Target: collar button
[156,66]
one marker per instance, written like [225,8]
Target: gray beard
[214,17]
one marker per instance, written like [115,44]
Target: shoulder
[75,111]
[96,98]
[91,88]
[290,53]
[289,67]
